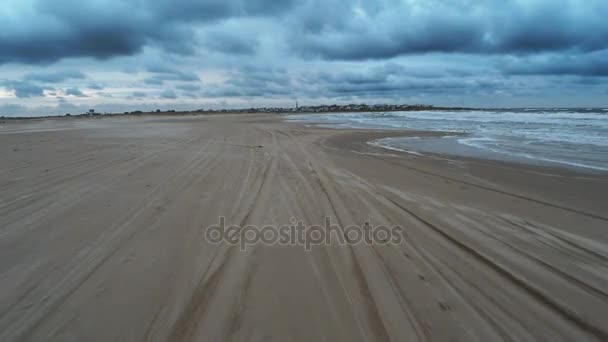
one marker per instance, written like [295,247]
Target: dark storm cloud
[375,31]
[54,77]
[72,29]
[330,29]
[41,31]
[593,64]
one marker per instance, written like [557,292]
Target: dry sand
[102,237]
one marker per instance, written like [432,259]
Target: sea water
[560,137]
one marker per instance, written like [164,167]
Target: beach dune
[103,237]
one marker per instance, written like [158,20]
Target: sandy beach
[103,221]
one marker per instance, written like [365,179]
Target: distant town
[330,108]
[334,108]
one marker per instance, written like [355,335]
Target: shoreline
[489,171]
[439,148]
[494,156]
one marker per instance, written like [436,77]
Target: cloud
[75,92]
[188,87]
[389,29]
[331,29]
[154,81]
[168,94]
[378,80]
[346,84]
[593,64]
[213,10]
[70,29]
[102,29]
[54,77]
[234,44]
[254,82]
[24,89]
[164,73]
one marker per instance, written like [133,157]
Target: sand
[102,237]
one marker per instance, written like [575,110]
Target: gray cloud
[24,89]
[74,92]
[593,64]
[389,29]
[165,73]
[252,81]
[54,77]
[154,81]
[168,94]
[387,80]
[188,87]
[332,29]
[99,29]
[231,43]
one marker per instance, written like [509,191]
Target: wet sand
[102,225]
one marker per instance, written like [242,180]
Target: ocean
[573,138]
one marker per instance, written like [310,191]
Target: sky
[66,56]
